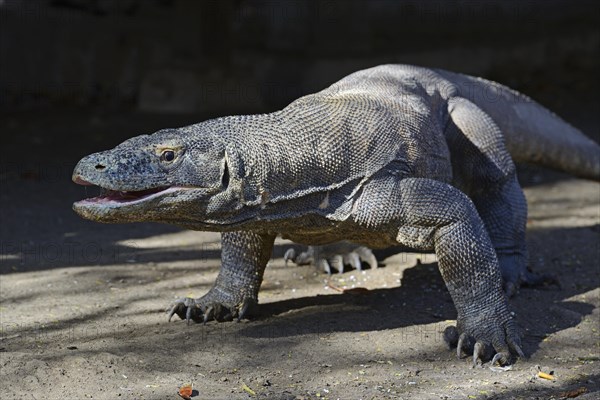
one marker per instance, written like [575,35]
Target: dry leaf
[185,392]
[544,375]
[248,390]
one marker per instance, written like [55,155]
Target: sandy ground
[82,304]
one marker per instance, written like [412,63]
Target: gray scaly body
[392,155]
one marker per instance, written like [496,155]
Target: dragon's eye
[168,155]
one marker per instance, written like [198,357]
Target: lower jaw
[118,207]
[104,212]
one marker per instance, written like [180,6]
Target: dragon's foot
[336,255]
[485,338]
[211,306]
[532,279]
[515,276]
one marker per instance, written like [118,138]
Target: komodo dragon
[392,155]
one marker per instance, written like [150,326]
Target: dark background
[225,56]
[80,76]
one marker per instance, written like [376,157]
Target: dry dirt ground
[82,304]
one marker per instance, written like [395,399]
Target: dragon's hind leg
[336,255]
[483,168]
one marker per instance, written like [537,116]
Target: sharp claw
[243,309]
[290,255]
[172,311]
[372,261]
[520,352]
[188,314]
[497,358]
[367,256]
[354,260]
[338,263]
[516,347]
[478,353]
[325,266]
[199,310]
[459,346]
[208,313]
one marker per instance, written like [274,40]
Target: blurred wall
[251,56]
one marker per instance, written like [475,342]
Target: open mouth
[120,196]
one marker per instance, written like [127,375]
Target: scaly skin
[236,287]
[393,155]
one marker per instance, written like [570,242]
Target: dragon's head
[166,177]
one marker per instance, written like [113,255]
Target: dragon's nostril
[100,167]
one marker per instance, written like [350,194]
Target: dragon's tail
[533,133]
